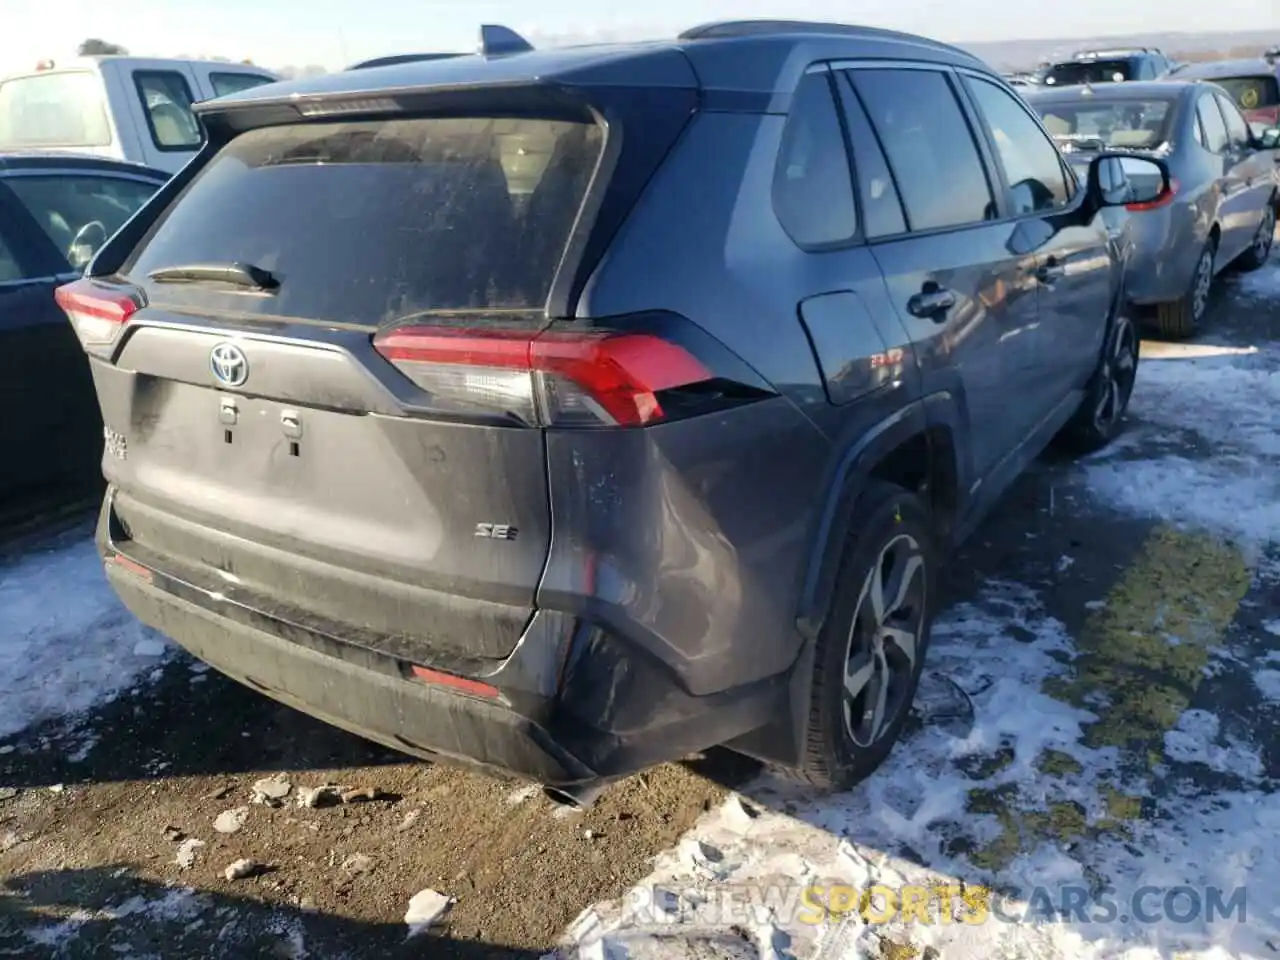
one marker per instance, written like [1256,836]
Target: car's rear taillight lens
[1163,200]
[587,378]
[98,311]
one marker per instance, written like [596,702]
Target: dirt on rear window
[370,221]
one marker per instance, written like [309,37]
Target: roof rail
[397,58]
[499,41]
[1271,54]
[729,29]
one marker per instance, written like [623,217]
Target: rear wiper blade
[237,274]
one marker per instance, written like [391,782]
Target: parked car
[564,449]
[1108,66]
[55,211]
[127,108]
[1022,79]
[1223,209]
[1254,85]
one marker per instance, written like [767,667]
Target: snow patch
[733,885]
[425,908]
[66,643]
[1268,684]
[1231,403]
[1261,284]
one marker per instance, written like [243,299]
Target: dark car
[1222,210]
[55,211]
[1107,66]
[1254,85]
[563,412]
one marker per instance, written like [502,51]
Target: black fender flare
[920,418]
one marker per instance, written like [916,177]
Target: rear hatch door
[258,438]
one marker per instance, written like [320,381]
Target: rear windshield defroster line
[366,222]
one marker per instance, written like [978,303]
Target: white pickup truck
[117,106]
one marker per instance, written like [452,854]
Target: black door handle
[932,304]
[1050,271]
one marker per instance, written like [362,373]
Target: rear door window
[1089,71]
[225,84]
[54,110]
[881,206]
[372,221]
[78,213]
[930,148]
[1252,93]
[166,103]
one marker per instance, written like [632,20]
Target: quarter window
[79,213]
[929,146]
[166,103]
[1215,131]
[812,188]
[1032,165]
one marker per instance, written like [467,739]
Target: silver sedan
[1222,209]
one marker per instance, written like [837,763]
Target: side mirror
[1120,180]
[1269,139]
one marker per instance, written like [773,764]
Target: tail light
[98,311]
[1163,200]
[587,378]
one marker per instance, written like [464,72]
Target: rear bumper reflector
[473,687]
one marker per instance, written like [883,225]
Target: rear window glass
[1090,71]
[371,221]
[1251,93]
[54,110]
[1123,124]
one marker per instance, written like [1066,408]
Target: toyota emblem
[229,365]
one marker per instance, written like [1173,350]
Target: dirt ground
[83,836]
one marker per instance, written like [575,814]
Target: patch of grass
[984,766]
[1055,763]
[1140,658]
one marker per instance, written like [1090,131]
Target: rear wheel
[1101,414]
[1180,318]
[1258,252]
[871,650]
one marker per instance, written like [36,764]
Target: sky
[334,33]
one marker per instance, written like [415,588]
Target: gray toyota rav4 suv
[564,412]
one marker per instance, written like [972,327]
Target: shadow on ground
[107,911]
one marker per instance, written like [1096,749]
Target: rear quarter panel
[727,505]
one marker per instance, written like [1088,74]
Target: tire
[1180,318]
[843,746]
[1260,250]
[1101,415]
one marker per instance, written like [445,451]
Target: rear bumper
[602,712]
[1165,253]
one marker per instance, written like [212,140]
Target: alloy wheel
[1118,373]
[884,641]
[1266,235]
[1203,281]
